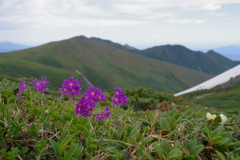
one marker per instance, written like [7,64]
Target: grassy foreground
[224,99]
[152,126]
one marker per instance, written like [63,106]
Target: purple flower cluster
[40,85]
[103,115]
[88,102]
[21,89]
[70,86]
[119,98]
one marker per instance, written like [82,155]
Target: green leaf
[64,143]
[174,154]
[150,116]
[158,150]
[193,147]
[119,142]
[116,134]
[134,137]
[220,155]
[64,131]
[172,119]
[133,131]
[164,124]
[182,115]
[144,121]
[196,150]
[55,146]
[148,155]
[165,146]
[233,144]
[217,132]
[224,141]
[71,152]
[206,130]
[175,145]
[216,140]
[172,126]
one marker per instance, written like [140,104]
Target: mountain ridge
[209,62]
[105,66]
[212,63]
[203,62]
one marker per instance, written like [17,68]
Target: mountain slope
[180,55]
[104,65]
[17,70]
[211,62]
[220,58]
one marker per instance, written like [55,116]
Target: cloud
[52,13]
[66,13]
[211,6]
[185,21]
[217,14]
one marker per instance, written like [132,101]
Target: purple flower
[103,115]
[21,89]
[75,90]
[88,102]
[63,90]
[40,85]
[44,81]
[70,82]
[119,98]
[70,86]
[19,97]
[95,94]
[118,91]
[84,107]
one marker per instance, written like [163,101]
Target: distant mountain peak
[129,47]
[80,37]
[211,62]
[7,46]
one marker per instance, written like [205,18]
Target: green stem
[91,126]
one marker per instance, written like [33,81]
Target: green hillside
[223,99]
[102,64]
[211,62]
[17,70]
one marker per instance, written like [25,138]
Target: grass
[43,126]
[223,99]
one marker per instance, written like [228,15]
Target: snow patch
[215,81]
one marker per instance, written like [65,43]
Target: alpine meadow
[93,99]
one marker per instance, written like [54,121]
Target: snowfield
[213,82]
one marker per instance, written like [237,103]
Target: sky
[196,24]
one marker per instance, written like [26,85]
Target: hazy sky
[197,24]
